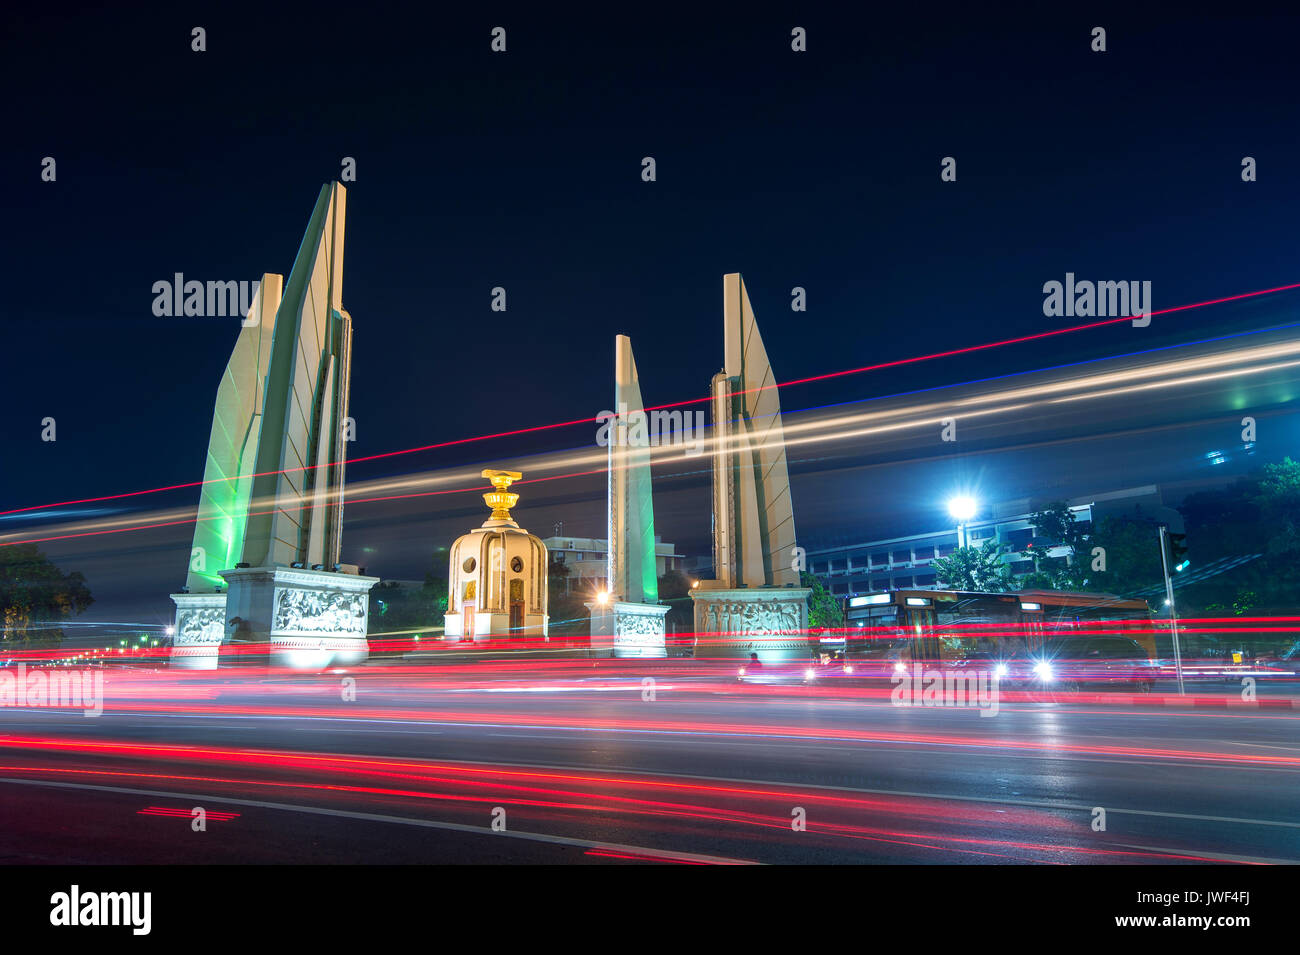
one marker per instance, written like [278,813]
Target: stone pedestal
[769,621]
[628,630]
[198,630]
[301,619]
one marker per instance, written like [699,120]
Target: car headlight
[1001,670]
[848,669]
[810,674]
[900,667]
[1043,670]
[742,671]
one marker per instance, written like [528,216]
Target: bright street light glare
[962,508]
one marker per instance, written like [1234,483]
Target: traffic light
[1178,552]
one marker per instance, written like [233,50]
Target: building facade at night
[901,563]
[588,564]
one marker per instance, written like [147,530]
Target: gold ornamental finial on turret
[501,500]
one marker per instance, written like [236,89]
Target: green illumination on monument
[630,622]
[271,506]
[632,574]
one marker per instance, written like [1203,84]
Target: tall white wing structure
[632,572]
[264,572]
[273,479]
[752,512]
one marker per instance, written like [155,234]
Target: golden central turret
[501,500]
[496,577]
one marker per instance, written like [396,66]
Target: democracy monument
[265,576]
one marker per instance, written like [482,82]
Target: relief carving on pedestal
[199,626]
[320,611]
[650,625]
[760,617]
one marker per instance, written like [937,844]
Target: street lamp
[1166,545]
[962,509]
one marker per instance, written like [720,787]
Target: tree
[1258,514]
[674,585]
[35,595]
[1039,580]
[1242,604]
[1132,552]
[403,611]
[397,609]
[1055,526]
[977,569]
[1277,495]
[675,591]
[567,610]
[824,609]
[434,592]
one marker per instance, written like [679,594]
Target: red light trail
[762,810]
[969,349]
[581,806]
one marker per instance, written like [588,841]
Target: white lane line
[1235,742]
[1219,856]
[401,820]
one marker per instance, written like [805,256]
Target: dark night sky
[523,170]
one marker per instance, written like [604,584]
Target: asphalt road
[572,767]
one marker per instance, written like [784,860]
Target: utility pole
[1169,601]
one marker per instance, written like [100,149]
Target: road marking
[401,820]
[1221,856]
[1238,742]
